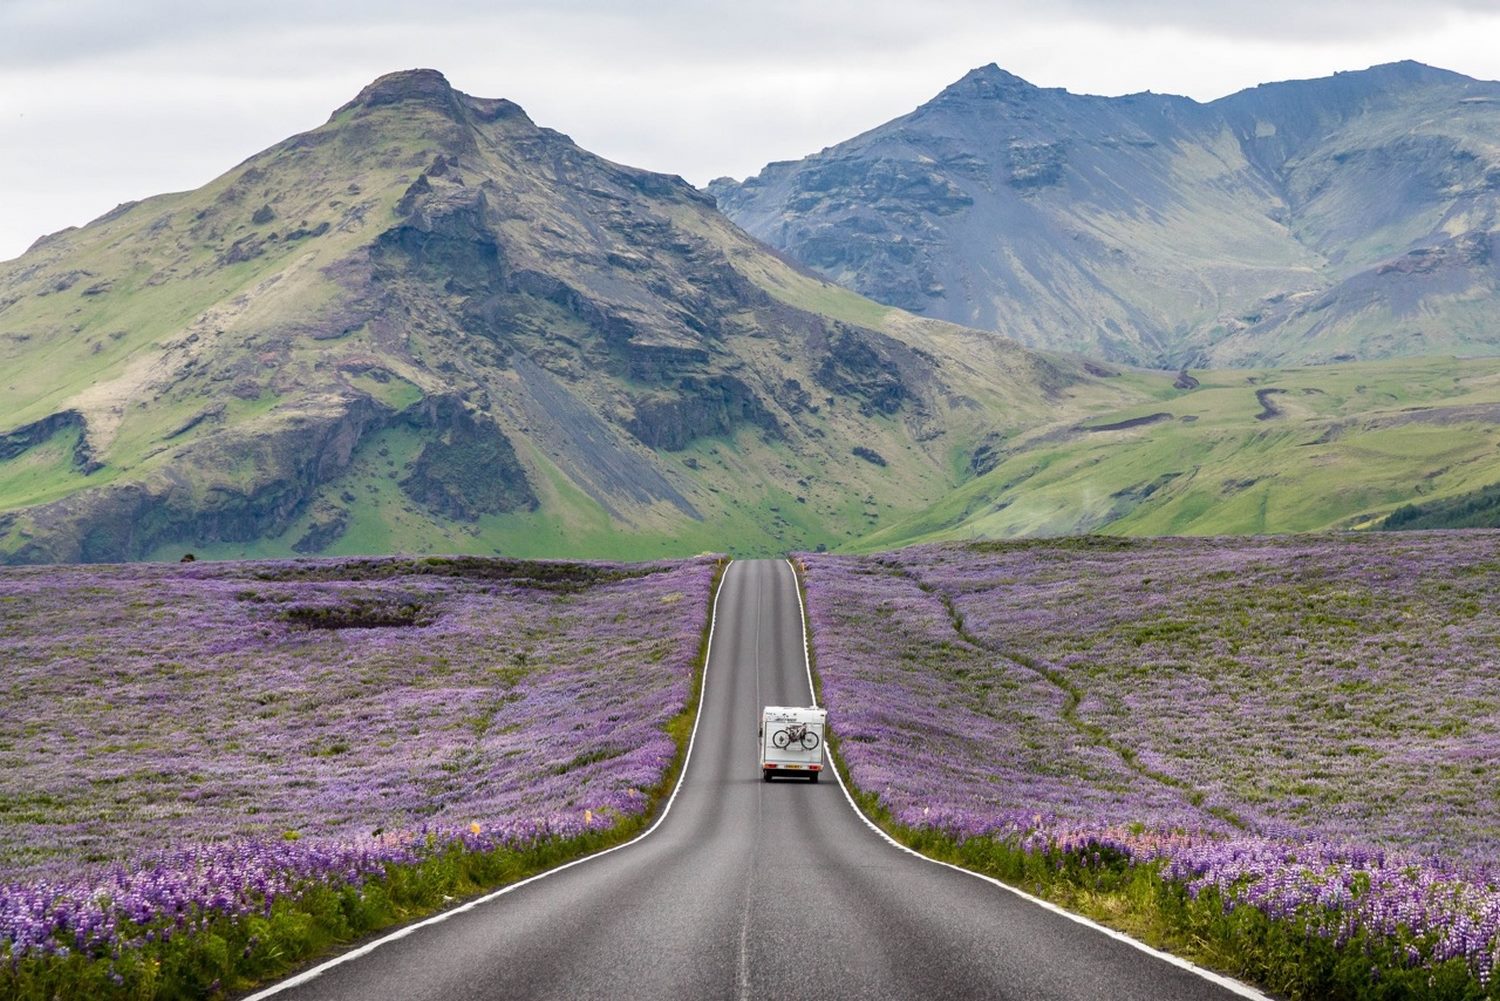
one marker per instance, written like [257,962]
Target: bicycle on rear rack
[797,733]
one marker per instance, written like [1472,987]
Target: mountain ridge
[1147,228]
[430,322]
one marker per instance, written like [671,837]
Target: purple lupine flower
[201,733]
[1305,724]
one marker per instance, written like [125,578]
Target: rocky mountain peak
[426,86]
[1406,71]
[431,88]
[987,83]
[1345,93]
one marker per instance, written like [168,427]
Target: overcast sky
[102,101]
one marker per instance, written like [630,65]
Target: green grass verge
[217,957]
[1286,957]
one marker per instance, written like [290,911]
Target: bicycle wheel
[780,739]
[809,741]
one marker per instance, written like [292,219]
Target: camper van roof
[808,714]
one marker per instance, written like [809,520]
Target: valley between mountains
[375,517]
[432,325]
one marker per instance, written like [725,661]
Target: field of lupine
[183,747]
[1298,732]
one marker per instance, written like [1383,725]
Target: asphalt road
[756,890]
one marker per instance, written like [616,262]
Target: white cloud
[101,102]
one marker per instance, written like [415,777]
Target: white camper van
[791,741]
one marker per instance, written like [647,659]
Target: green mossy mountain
[1340,219]
[432,325]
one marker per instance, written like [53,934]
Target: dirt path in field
[1073,697]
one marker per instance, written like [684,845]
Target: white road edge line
[400,933]
[1228,983]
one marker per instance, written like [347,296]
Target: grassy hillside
[1244,452]
[431,325]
